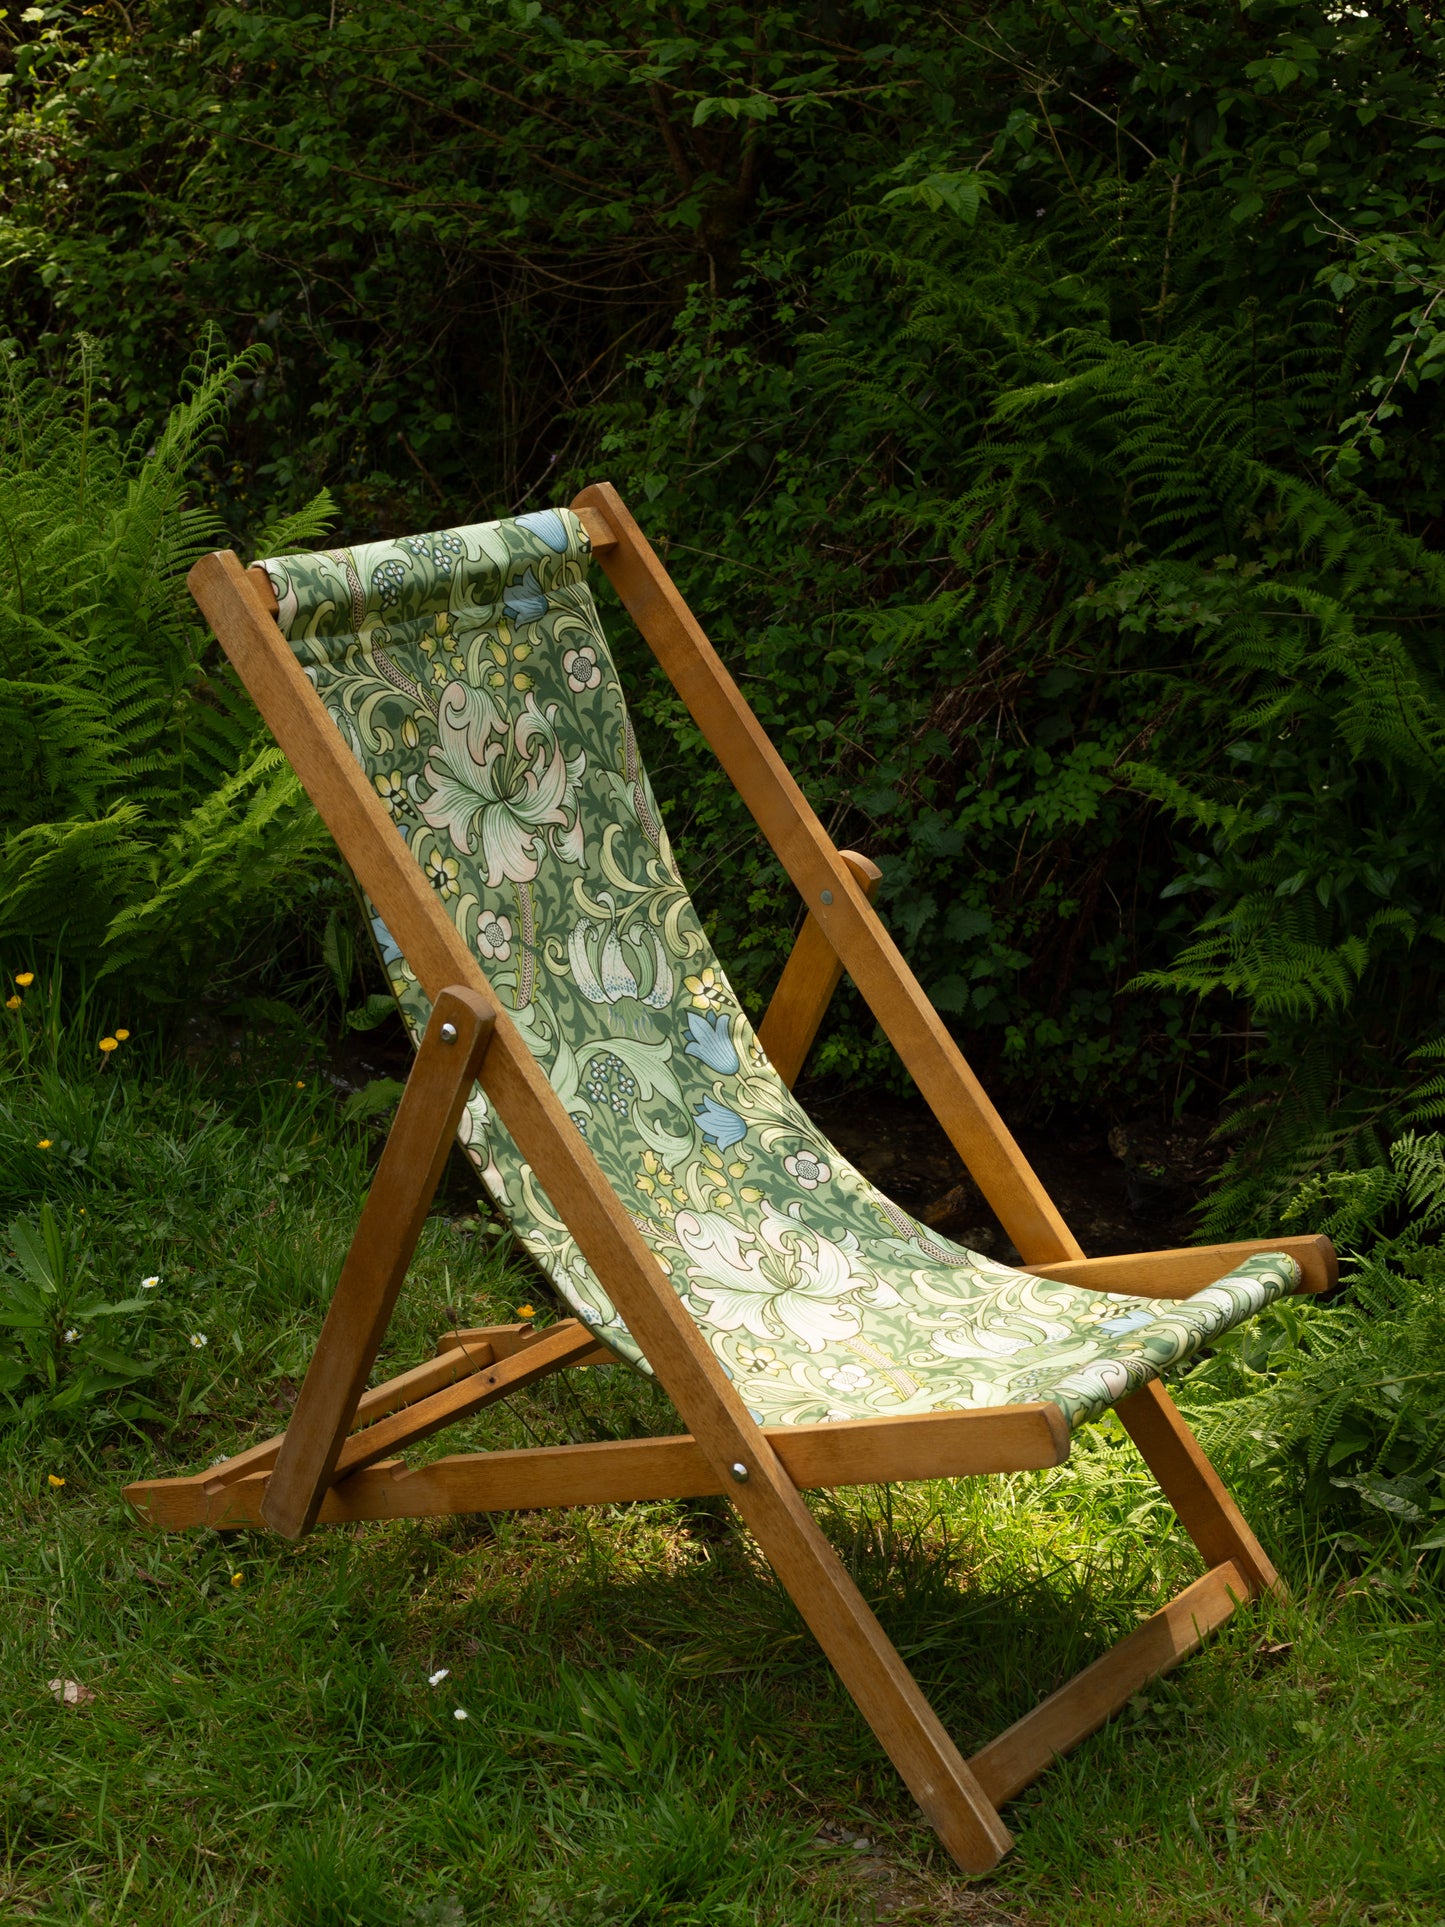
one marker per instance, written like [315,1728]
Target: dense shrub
[1039,401]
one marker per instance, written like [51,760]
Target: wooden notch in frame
[448,1061]
[924,1445]
[1024,1750]
[812,973]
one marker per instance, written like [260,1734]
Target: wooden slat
[828,889]
[1020,1754]
[570,1177]
[805,989]
[1180,1273]
[558,1346]
[469,1338]
[928,1445]
[443,1075]
[1193,1487]
[459,1353]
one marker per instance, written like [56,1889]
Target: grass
[650,1734]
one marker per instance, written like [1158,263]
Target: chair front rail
[927,1445]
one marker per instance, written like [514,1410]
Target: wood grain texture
[568,1174]
[828,888]
[1193,1487]
[1180,1273]
[443,1074]
[1021,1753]
[469,1352]
[926,1445]
[800,1001]
[558,1346]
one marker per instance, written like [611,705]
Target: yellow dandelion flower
[121,1035]
[237,1578]
[301,1083]
[13,1003]
[108,1044]
[25,979]
[42,1144]
[526,1311]
[54,1480]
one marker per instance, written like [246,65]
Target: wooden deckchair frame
[334,1460]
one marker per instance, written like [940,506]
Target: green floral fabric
[469,675]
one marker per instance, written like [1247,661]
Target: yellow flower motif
[723,1199]
[442,873]
[664,1209]
[736,1170]
[704,989]
[645,1183]
[121,1035]
[651,1162]
[410,734]
[108,1044]
[522,680]
[54,1480]
[42,1144]
[25,979]
[391,789]
[13,1003]
[749,1194]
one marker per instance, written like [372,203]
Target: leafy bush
[1040,402]
[1349,1397]
[145,820]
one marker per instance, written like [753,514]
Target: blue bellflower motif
[711,1042]
[386,943]
[1129,1321]
[524,601]
[720,1124]
[548,526]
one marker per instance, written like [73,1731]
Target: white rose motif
[582,667]
[847,1378]
[809,1170]
[494,936]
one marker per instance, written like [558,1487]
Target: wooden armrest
[805,989]
[1179,1274]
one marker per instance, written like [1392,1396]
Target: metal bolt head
[827,896]
[449,1033]
[739,1472]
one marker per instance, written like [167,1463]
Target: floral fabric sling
[470,676]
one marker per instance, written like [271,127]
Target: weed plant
[611,1715]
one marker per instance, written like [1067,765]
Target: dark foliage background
[1039,403]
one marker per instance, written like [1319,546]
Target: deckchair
[451,705]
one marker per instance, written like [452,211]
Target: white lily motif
[507,788]
[782,1278]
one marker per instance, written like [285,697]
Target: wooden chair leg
[441,1081]
[1193,1487]
[812,973]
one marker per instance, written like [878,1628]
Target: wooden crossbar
[1022,1751]
[924,1445]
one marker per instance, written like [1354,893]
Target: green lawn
[650,1734]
